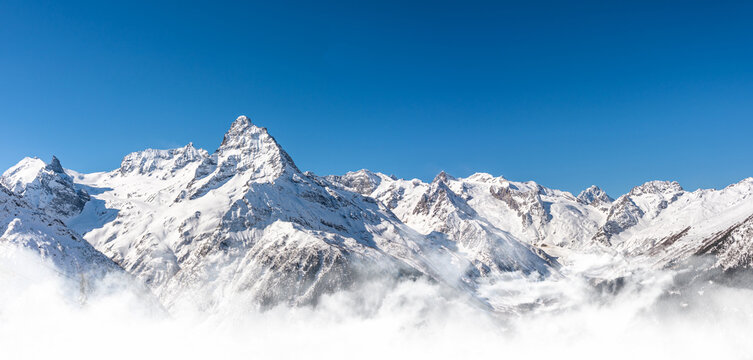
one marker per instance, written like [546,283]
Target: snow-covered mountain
[524,211]
[35,200]
[435,210]
[676,225]
[657,222]
[46,187]
[596,197]
[25,227]
[644,202]
[245,220]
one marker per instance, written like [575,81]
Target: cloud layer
[44,315]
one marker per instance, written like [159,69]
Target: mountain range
[245,221]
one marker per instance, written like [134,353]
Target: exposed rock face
[504,193]
[596,197]
[528,206]
[669,188]
[623,214]
[733,247]
[160,163]
[55,166]
[363,182]
[46,186]
[442,177]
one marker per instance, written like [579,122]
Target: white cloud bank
[42,316]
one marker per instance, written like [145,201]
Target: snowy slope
[22,226]
[642,204]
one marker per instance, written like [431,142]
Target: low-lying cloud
[45,315]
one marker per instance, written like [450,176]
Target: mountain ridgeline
[244,220]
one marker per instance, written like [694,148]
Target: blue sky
[568,95]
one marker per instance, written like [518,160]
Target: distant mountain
[526,212]
[596,197]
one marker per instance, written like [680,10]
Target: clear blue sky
[563,94]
